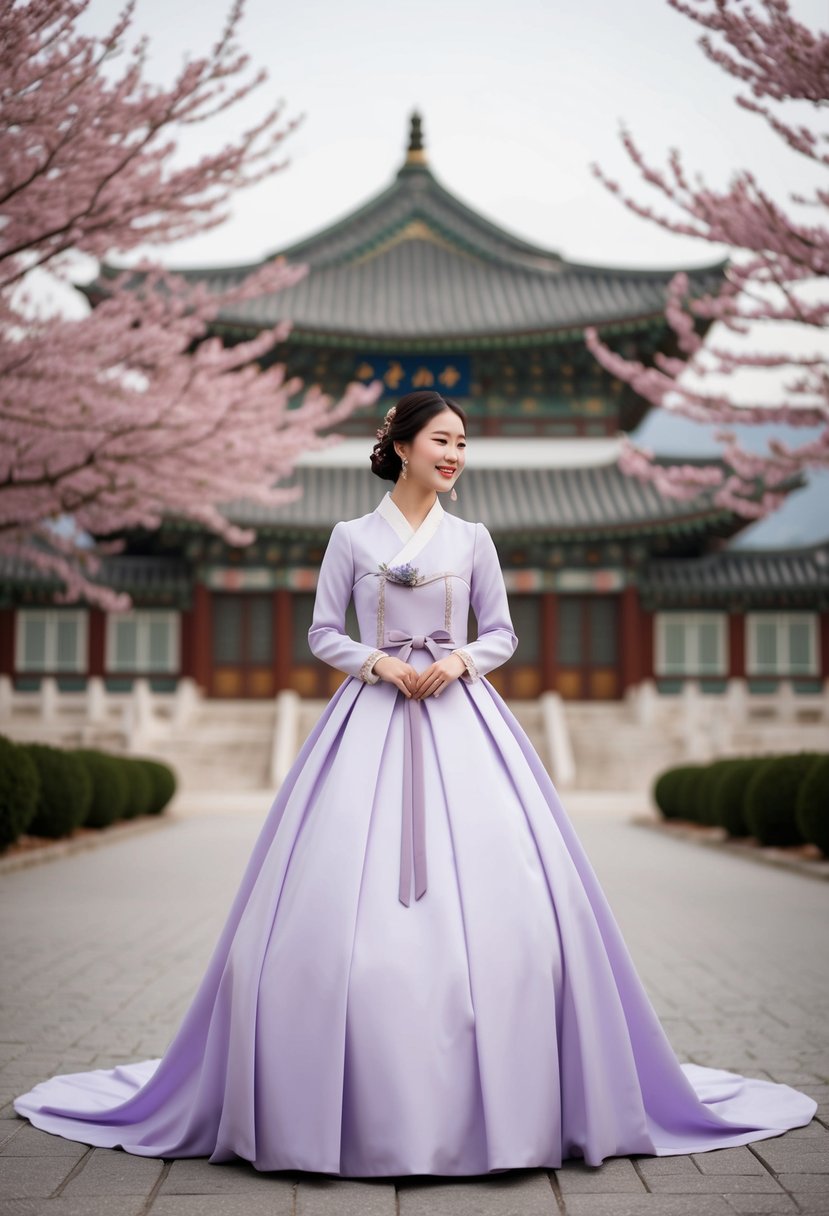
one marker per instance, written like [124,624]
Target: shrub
[673,791]
[163,781]
[65,791]
[19,786]
[706,791]
[728,798]
[690,776]
[139,787]
[812,810]
[110,791]
[771,799]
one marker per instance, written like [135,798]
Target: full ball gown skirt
[419,973]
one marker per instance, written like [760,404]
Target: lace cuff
[366,674]
[471,674]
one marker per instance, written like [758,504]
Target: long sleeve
[327,637]
[496,640]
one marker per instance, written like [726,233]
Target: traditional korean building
[610,584]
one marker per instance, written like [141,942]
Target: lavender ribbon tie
[413,839]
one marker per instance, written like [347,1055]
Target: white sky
[517,100]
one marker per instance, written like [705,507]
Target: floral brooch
[407,574]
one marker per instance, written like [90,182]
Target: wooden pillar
[96,655]
[283,618]
[7,623]
[201,663]
[647,659]
[736,645]
[549,641]
[630,659]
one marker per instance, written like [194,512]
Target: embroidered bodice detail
[446,575]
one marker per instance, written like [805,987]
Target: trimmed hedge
[19,788]
[139,787]
[163,781]
[50,791]
[780,800]
[672,791]
[110,791]
[771,799]
[729,796]
[812,810]
[707,785]
[65,791]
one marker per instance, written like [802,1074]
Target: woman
[419,973]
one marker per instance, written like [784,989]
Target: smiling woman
[420,973]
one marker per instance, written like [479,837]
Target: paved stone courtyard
[103,950]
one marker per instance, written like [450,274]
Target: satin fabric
[495,1022]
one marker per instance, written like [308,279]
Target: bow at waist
[413,837]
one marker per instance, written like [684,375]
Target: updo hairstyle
[411,414]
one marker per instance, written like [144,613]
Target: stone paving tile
[9,1128]
[739,1160]
[31,1142]
[648,1205]
[614,1176]
[655,1167]
[805,1184]
[346,1197]
[61,1206]
[762,1205]
[113,1172]
[517,1193]
[198,1176]
[32,1177]
[712,1184]
[220,1205]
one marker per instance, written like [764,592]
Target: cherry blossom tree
[776,261]
[115,419]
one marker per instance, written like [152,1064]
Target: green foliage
[110,789]
[163,781]
[673,791]
[139,787]
[65,791]
[706,791]
[728,798]
[19,787]
[771,798]
[812,810]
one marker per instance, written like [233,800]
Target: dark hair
[411,414]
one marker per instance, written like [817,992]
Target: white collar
[413,538]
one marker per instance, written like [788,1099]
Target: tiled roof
[570,501]
[740,574]
[415,264]
[149,575]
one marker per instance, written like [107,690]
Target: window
[144,640]
[691,644]
[782,644]
[50,639]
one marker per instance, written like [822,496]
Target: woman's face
[440,444]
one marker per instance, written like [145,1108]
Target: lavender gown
[419,973]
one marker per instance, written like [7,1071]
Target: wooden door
[242,645]
[587,647]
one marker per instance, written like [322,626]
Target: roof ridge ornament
[415,153]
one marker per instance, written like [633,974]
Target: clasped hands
[418,684]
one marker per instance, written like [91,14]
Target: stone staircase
[226,745]
[613,751]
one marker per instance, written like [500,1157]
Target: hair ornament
[383,431]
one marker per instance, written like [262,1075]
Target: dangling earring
[405,462]
[453,495]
